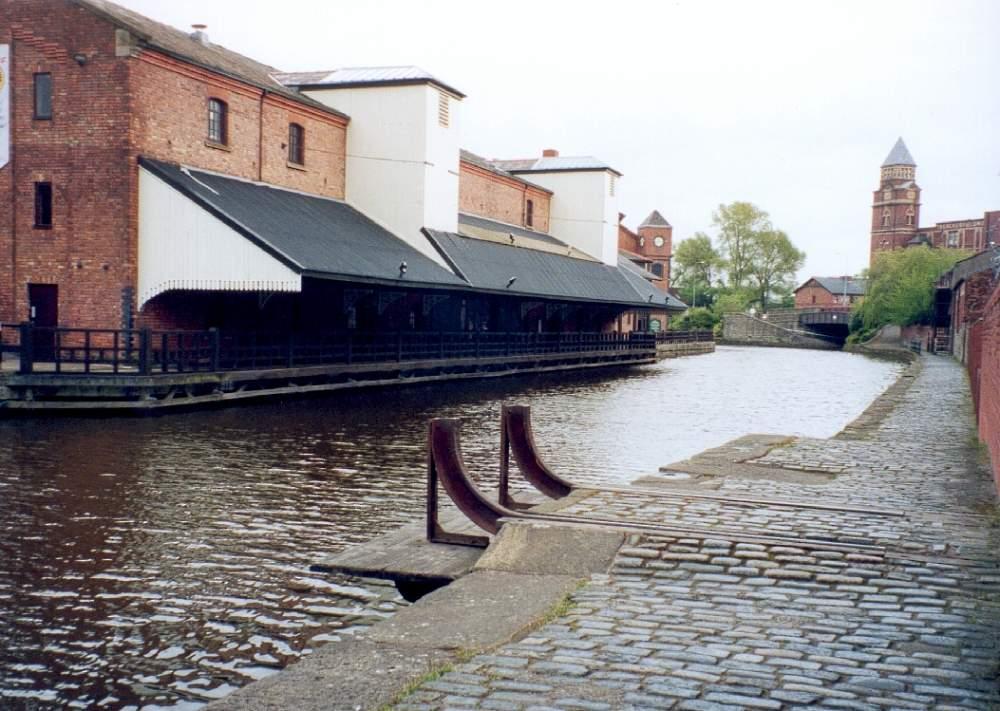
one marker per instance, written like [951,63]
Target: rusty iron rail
[446,466]
[517,438]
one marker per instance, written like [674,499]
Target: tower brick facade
[896,203]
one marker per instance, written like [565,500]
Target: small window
[953,238]
[886,217]
[43,96]
[529,213]
[43,206]
[296,144]
[887,195]
[444,109]
[909,217]
[218,118]
[814,298]
[657,269]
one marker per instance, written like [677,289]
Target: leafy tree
[695,319]
[733,300]
[695,260]
[738,224]
[901,287]
[773,261]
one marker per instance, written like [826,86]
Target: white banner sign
[4,104]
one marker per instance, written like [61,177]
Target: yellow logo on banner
[3,78]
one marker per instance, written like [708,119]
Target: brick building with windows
[896,214]
[156,179]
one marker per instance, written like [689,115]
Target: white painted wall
[181,246]
[402,165]
[583,213]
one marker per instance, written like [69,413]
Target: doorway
[43,312]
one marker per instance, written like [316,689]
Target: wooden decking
[76,391]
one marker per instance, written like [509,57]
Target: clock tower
[896,205]
[656,238]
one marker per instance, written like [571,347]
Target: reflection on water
[163,562]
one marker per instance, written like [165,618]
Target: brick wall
[108,111]
[170,122]
[82,151]
[984,372]
[815,296]
[487,194]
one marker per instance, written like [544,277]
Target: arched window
[529,213]
[909,216]
[657,269]
[218,120]
[886,217]
[296,144]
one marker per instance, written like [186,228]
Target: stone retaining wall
[676,350]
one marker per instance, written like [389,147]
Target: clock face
[658,241]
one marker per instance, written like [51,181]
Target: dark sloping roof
[490,266]
[313,235]
[655,219]
[502,228]
[178,43]
[639,279]
[479,161]
[899,155]
[364,76]
[838,285]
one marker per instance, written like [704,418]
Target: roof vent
[199,34]
[550,153]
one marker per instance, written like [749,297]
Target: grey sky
[789,105]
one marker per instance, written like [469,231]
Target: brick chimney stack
[550,153]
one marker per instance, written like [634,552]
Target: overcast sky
[789,105]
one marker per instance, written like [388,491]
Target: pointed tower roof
[655,219]
[899,155]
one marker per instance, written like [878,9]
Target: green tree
[695,319]
[738,224]
[901,287]
[695,259]
[732,300]
[773,261]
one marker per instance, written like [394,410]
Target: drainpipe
[260,137]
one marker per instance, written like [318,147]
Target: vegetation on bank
[901,289]
[749,263]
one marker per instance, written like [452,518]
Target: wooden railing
[151,352]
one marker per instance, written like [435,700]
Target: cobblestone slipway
[905,616]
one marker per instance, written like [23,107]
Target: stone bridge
[789,328]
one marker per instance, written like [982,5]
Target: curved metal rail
[517,438]
[445,464]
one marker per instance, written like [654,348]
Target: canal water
[163,562]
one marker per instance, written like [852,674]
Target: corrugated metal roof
[502,228]
[553,164]
[171,40]
[899,155]
[363,76]
[491,266]
[311,234]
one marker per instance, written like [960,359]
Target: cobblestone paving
[910,620]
